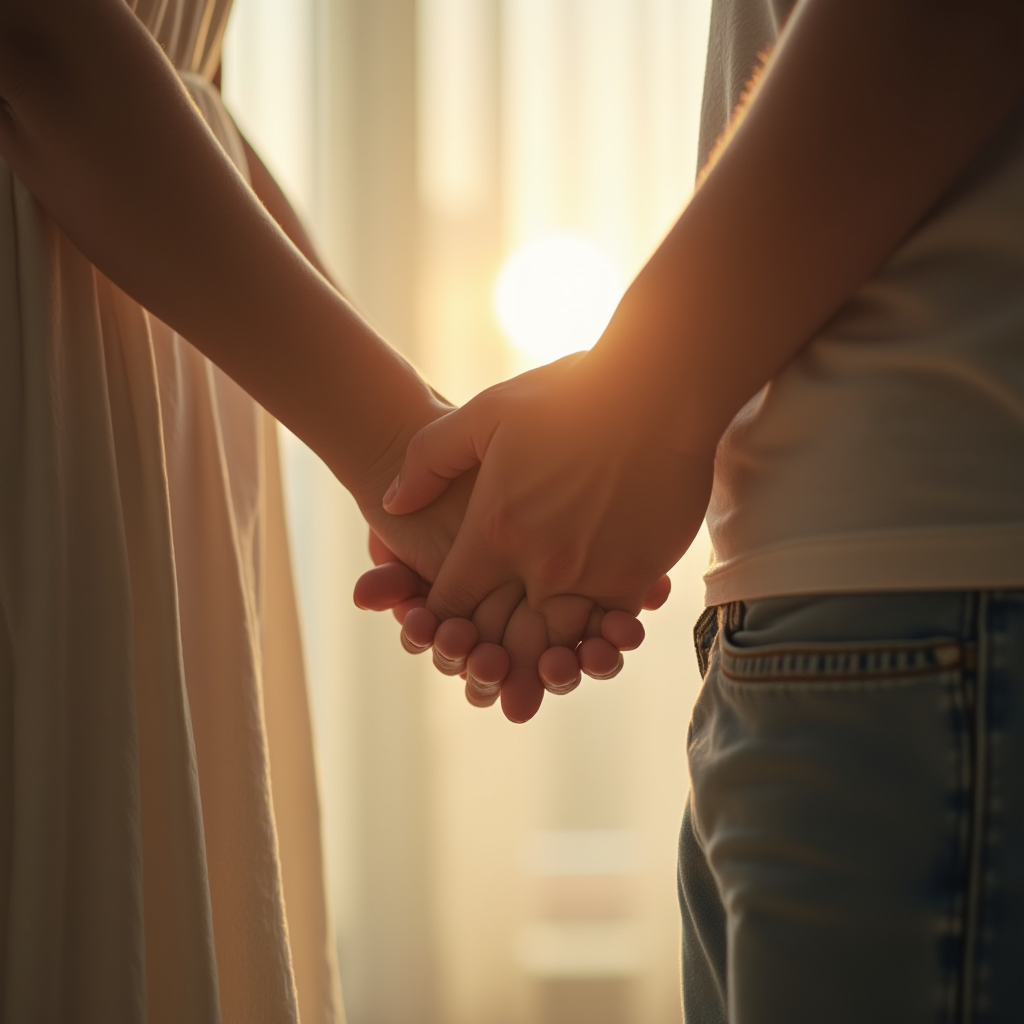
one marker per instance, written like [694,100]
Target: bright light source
[555,295]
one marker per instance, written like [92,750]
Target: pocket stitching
[757,684]
[910,673]
[947,658]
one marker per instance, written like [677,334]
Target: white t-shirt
[889,454]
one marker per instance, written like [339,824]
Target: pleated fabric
[160,851]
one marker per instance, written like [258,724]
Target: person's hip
[857,768]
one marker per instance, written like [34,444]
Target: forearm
[867,113]
[276,203]
[117,154]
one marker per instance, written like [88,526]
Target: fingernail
[411,647]
[563,688]
[389,494]
[447,666]
[487,691]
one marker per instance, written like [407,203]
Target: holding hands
[579,506]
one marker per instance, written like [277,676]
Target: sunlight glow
[556,294]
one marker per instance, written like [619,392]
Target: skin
[866,114]
[485,666]
[154,203]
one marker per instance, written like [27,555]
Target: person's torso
[889,453]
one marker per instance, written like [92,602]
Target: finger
[658,594]
[559,670]
[594,623]
[599,659]
[481,696]
[469,573]
[488,663]
[486,668]
[622,630]
[386,586]
[567,617]
[526,639]
[401,611]
[493,613]
[418,630]
[439,452]
[379,551]
[453,641]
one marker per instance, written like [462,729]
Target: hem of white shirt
[984,557]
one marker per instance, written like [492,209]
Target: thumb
[439,452]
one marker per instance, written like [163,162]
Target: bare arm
[867,113]
[276,203]
[95,121]
[115,151]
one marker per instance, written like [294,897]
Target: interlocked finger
[488,664]
[526,639]
[453,642]
[418,629]
[600,659]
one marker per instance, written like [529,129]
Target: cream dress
[160,854]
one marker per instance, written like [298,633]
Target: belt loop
[704,632]
[732,615]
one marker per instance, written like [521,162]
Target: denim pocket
[846,640]
[840,664]
[830,799]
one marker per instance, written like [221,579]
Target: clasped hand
[579,507]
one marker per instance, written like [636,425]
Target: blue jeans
[853,844]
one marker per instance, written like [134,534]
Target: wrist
[663,405]
[387,453]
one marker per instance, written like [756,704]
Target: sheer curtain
[481,872]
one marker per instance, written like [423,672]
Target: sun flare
[555,295]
